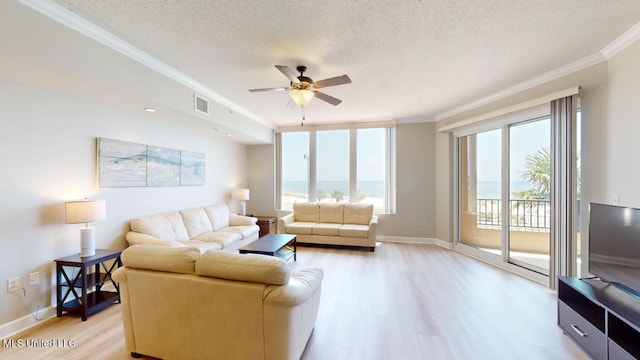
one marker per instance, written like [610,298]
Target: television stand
[602,319]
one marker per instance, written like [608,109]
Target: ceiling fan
[302,88]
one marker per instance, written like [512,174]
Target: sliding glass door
[529,224]
[504,207]
[518,185]
[480,180]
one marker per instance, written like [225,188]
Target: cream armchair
[180,304]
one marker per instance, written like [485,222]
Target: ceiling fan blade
[338,80]
[328,98]
[270,89]
[288,73]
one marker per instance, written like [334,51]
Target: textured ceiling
[407,59]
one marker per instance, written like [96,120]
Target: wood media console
[602,319]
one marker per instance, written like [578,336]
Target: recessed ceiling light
[150,109]
[227,134]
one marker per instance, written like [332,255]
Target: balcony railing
[534,214]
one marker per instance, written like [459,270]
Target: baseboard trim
[415,240]
[28,321]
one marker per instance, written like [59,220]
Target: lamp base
[243,208]
[87,242]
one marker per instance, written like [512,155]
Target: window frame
[389,203]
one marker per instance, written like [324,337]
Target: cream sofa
[211,227]
[180,304]
[332,224]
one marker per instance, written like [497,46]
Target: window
[371,169]
[295,168]
[336,165]
[332,166]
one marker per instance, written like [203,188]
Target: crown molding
[75,22]
[624,40]
[525,85]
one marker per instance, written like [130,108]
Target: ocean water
[485,189]
[491,189]
[369,188]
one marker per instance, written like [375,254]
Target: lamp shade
[76,212]
[241,194]
[301,97]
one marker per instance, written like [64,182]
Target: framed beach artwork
[192,168]
[127,164]
[121,163]
[163,166]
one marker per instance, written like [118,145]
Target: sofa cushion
[167,226]
[203,246]
[331,213]
[300,228]
[306,212]
[244,267]
[196,222]
[358,213]
[354,230]
[161,258]
[223,238]
[243,230]
[326,229]
[219,216]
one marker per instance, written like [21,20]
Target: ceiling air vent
[201,104]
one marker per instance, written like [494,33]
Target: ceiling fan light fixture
[301,96]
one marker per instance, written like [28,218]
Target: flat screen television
[614,245]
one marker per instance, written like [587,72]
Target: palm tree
[337,195]
[538,174]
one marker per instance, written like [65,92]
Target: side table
[267,225]
[81,292]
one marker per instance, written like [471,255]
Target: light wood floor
[403,301]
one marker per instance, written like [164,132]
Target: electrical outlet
[13,284]
[423,222]
[34,278]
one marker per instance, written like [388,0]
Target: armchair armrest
[283,222]
[373,229]
[145,239]
[120,275]
[239,220]
[301,287]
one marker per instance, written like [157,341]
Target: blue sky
[526,139]
[333,155]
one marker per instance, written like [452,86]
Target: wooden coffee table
[279,245]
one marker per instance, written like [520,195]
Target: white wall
[622,130]
[261,178]
[415,184]
[48,149]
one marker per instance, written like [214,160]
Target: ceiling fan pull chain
[303,116]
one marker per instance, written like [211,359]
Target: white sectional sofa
[211,227]
[180,304]
[332,224]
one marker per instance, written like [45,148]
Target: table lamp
[85,211]
[242,195]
